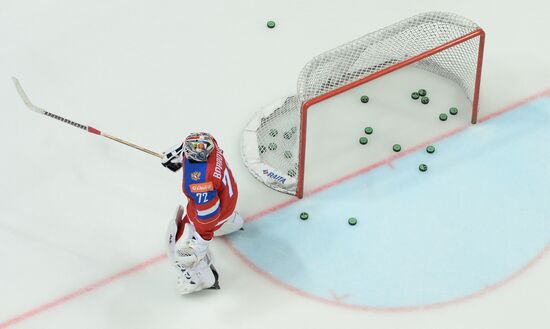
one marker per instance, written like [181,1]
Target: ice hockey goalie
[212,196]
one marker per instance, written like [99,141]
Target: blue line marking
[478,215]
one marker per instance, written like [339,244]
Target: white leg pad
[172,231]
[189,255]
[231,224]
[191,251]
[196,278]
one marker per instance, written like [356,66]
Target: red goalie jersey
[211,191]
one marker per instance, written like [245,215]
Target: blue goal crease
[476,217]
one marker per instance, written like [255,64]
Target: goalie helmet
[198,146]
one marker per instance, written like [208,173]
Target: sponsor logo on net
[275,176]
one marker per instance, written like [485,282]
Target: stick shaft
[67,121]
[137,147]
[89,129]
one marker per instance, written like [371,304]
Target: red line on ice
[136,268]
[77,293]
[338,298]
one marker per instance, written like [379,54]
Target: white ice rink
[82,219]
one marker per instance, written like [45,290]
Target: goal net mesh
[271,141]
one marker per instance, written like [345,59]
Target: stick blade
[25,98]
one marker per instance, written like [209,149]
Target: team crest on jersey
[196,175]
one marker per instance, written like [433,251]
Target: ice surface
[76,209]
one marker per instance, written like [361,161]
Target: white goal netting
[442,43]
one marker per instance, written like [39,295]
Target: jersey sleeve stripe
[211,216]
[209,211]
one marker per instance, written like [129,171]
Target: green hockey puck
[273,132]
[364,99]
[443,117]
[423,167]
[271,24]
[288,154]
[304,216]
[453,110]
[262,149]
[352,221]
[425,100]
[422,92]
[396,147]
[272,146]
[291,172]
[415,95]
[363,140]
[430,149]
[368,130]
[287,135]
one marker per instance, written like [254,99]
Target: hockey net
[444,44]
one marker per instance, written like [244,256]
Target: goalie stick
[89,129]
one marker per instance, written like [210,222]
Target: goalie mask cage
[446,44]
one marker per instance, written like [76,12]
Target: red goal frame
[306,105]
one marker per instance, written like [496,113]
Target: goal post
[448,45]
